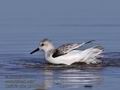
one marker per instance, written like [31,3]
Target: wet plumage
[69,53]
[66,48]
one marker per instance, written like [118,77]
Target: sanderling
[69,53]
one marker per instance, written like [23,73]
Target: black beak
[37,49]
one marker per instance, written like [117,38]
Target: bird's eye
[42,44]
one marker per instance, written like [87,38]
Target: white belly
[87,56]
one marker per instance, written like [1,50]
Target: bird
[69,53]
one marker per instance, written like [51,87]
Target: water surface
[24,23]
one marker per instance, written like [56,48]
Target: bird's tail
[86,42]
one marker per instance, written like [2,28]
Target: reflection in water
[48,79]
[29,73]
[70,78]
[75,78]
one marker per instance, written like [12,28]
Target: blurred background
[23,23]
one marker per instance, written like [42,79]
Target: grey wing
[66,48]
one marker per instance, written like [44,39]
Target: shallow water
[26,72]
[23,24]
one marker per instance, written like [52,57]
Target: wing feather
[66,48]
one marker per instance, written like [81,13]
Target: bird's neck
[49,53]
[49,48]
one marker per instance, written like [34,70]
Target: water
[23,24]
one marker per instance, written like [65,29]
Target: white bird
[69,53]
